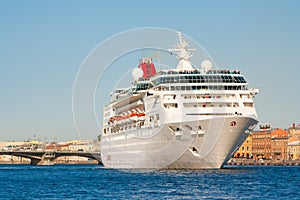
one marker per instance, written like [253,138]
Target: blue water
[97,182]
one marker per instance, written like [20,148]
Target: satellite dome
[206,65]
[137,73]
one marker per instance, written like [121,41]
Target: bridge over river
[48,157]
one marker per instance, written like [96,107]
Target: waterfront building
[245,150]
[78,146]
[261,143]
[51,146]
[62,147]
[17,146]
[28,145]
[84,146]
[279,141]
[293,148]
[9,159]
[294,130]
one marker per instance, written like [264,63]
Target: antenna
[183,53]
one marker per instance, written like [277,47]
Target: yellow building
[245,150]
[293,148]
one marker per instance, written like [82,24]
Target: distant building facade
[293,148]
[261,143]
[78,146]
[271,144]
[294,130]
[245,150]
[18,146]
[279,141]
[75,145]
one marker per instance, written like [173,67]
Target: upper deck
[196,76]
[187,80]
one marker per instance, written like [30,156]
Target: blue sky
[43,44]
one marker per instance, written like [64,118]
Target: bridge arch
[47,157]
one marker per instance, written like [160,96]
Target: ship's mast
[183,53]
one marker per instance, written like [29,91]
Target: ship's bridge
[142,86]
[195,76]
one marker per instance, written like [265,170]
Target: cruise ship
[181,118]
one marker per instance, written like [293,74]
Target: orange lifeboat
[119,119]
[141,116]
[134,116]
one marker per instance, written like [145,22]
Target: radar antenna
[183,53]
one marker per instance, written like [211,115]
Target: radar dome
[206,65]
[137,73]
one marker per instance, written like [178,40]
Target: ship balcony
[219,98]
[214,105]
[212,111]
[206,100]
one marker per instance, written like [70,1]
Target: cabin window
[248,104]
[170,105]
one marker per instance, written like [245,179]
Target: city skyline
[45,43]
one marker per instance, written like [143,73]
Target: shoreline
[263,162]
[232,163]
[56,163]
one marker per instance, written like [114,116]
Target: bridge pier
[41,162]
[46,159]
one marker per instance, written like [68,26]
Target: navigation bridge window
[142,86]
[199,79]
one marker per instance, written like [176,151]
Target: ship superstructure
[182,118]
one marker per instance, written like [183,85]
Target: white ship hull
[162,148]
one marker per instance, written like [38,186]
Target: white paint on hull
[161,148]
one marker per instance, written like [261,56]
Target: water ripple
[96,182]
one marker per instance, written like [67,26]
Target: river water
[97,182]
